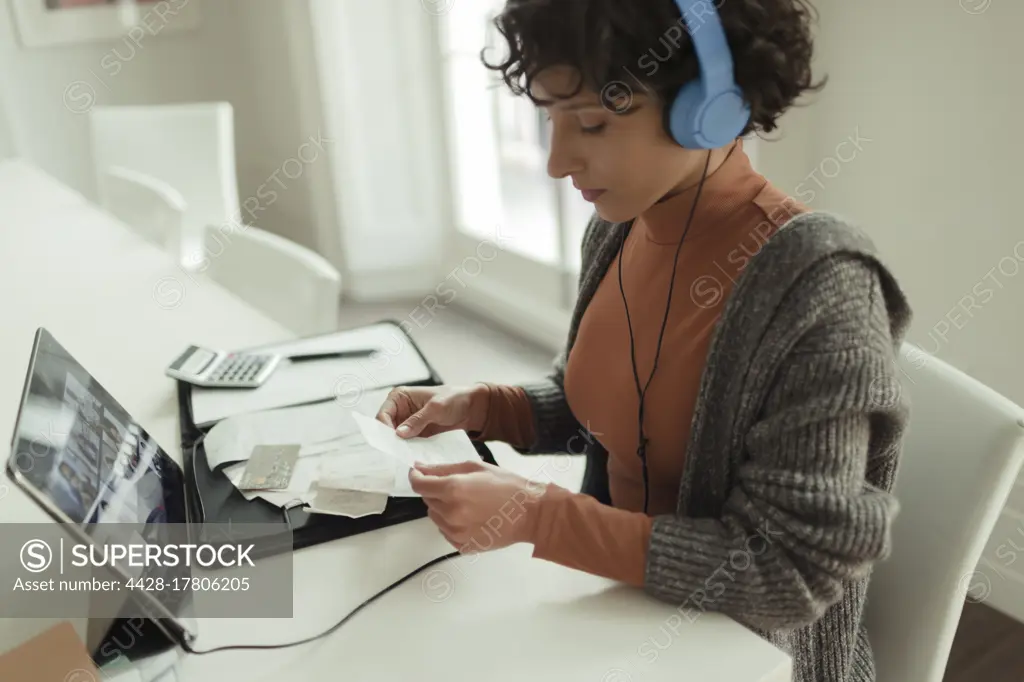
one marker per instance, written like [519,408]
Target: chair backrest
[288,282]
[189,146]
[151,207]
[962,452]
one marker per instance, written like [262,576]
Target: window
[497,148]
[501,189]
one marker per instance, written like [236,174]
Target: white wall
[381,103]
[259,56]
[937,91]
[937,186]
[6,137]
[166,68]
[249,52]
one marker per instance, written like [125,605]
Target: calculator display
[193,361]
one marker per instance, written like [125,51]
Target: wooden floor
[989,647]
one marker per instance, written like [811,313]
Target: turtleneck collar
[729,187]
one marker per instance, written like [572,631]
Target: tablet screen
[77,445]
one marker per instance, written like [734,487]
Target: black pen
[360,353]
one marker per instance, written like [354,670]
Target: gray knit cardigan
[784,503]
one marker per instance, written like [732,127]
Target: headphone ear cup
[684,114]
[724,117]
[707,123]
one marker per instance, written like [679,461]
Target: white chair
[152,208]
[189,146]
[288,282]
[962,453]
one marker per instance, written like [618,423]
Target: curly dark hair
[625,41]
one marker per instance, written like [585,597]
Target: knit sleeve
[801,518]
[554,427]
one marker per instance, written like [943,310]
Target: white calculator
[223,369]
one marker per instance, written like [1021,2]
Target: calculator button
[238,368]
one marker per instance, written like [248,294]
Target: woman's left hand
[478,506]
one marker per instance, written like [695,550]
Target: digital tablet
[86,462]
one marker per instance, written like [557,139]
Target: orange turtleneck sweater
[737,212]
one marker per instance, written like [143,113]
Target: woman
[742,435]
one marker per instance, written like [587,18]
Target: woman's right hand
[428,410]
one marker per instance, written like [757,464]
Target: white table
[122,308]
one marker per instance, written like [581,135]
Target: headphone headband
[708,38]
[709,112]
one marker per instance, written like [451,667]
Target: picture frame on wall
[47,23]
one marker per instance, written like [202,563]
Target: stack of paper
[335,460]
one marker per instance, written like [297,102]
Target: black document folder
[212,498]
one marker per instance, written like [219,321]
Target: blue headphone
[710,111]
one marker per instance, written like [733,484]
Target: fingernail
[403,429]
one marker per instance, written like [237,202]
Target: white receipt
[355,467]
[449,447]
[351,503]
[233,439]
[350,441]
[350,474]
[363,469]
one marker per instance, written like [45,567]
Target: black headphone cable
[642,393]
